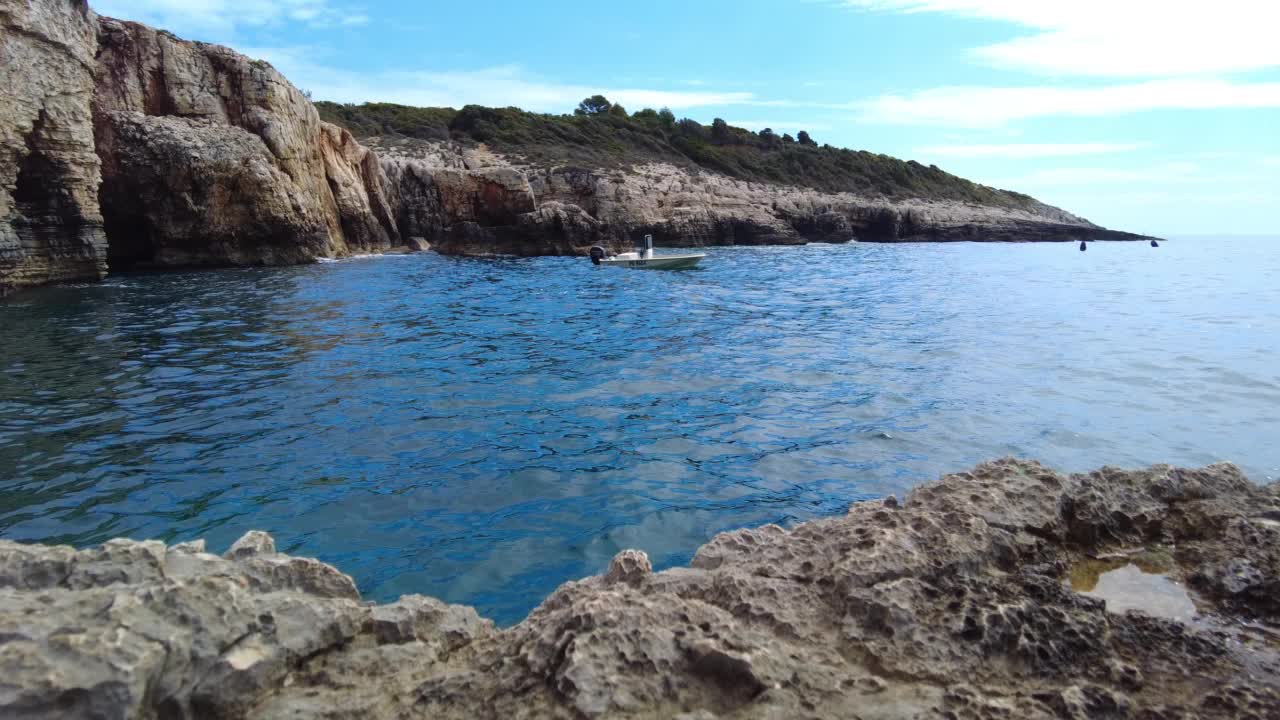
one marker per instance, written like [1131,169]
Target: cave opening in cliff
[129,233]
[129,244]
[40,193]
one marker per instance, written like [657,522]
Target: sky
[1154,116]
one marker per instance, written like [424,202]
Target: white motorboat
[643,257]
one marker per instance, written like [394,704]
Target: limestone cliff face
[212,158]
[195,154]
[685,207]
[431,201]
[50,226]
[954,603]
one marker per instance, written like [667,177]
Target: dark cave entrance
[129,244]
[41,197]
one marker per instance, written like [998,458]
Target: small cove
[483,430]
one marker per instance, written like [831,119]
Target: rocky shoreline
[954,603]
[127,147]
[556,210]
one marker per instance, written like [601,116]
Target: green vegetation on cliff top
[601,134]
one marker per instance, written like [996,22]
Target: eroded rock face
[50,225]
[186,191]
[210,157]
[950,604]
[683,207]
[459,210]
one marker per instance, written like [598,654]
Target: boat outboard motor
[1083,247]
[1155,244]
[597,254]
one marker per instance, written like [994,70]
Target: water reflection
[1140,582]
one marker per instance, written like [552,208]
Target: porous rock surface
[949,604]
[50,226]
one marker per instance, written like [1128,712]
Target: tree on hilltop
[689,127]
[720,134]
[803,138]
[646,115]
[594,105]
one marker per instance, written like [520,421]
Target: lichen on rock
[953,603]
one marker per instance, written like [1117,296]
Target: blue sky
[1158,116]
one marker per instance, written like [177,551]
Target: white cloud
[780,125]
[1216,154]
[1160,177]
[1170,211]
[221,18]
[1271,161]
[1019,151]
[1119,38]
[497,87]
[1165,173]
[963,106]
[1164,198]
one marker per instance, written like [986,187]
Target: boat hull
[664,262]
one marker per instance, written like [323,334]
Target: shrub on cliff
[720,134]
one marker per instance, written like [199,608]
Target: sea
[483,430]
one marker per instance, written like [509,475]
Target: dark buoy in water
[1083,247]
[1155,244]
[597,254]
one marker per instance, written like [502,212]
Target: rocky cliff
[50,226]
[957,602]
[185,153]
[210,158]
[683,207]
[125,146]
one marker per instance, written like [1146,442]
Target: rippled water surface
[482,430]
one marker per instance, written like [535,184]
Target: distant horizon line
[1220,236]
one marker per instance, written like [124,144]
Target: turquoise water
[483,430]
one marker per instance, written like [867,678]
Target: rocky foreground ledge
[953,603]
